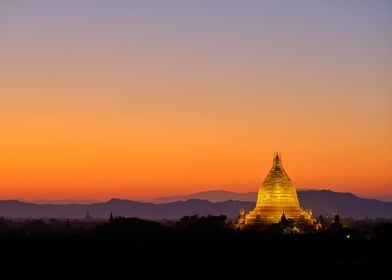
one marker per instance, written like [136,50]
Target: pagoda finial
[277,160]
[336,218]
[88,217]
[283,217]
[111,218]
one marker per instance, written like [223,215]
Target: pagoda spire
[277,160]
[283,217]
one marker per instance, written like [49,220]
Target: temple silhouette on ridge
[277,198]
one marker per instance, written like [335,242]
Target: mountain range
[212,196]
[323,202]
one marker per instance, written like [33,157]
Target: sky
[141,99]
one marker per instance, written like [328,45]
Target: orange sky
[94,107]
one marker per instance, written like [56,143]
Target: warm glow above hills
[140,103]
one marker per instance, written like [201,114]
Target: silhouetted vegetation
[191,248]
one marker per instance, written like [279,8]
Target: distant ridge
[122,207]
[212,196]
[62,201]
[323,202]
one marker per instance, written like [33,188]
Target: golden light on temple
[277,198]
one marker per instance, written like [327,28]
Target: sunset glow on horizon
[106,99]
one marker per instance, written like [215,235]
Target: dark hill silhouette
[349,205]
[321,202]
[122,207]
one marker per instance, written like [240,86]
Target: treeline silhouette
[191,248]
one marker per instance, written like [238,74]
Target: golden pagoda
[277,196]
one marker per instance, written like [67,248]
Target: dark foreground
[194,248]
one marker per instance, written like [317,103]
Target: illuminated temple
[277,198]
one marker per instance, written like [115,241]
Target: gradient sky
[139,99]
